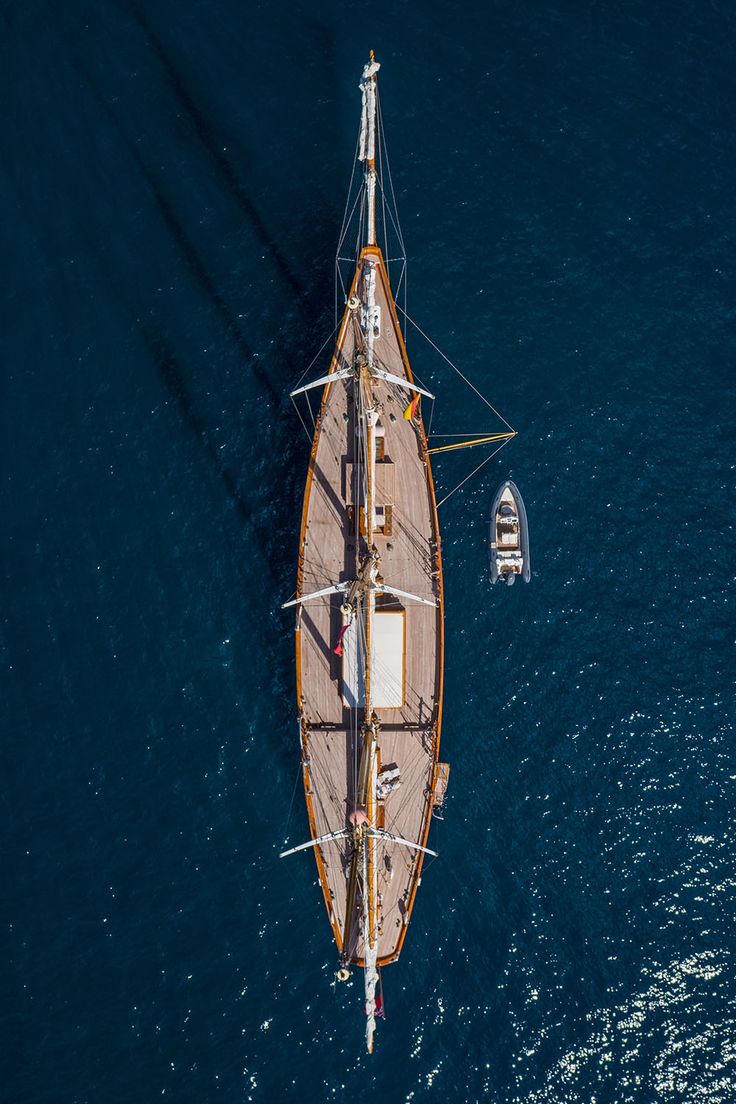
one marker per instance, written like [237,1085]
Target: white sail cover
[367,148]
[388,659]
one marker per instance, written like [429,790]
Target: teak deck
[330,547]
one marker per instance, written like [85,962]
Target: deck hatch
[388,661]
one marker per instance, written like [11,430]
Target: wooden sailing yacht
[369,616]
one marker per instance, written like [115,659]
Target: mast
[363,818]
[370,417]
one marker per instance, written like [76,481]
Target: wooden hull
[331,544]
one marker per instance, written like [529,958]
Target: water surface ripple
[173,183]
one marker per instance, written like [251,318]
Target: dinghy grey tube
[526,571]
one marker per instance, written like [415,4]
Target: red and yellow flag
[411,408]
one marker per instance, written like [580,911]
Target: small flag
[411,408]
[338,647]
[379,1006]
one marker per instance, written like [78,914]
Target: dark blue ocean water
[172,184]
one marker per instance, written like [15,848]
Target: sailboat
[369,611]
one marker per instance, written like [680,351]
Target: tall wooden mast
[364,816]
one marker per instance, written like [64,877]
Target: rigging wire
[348,260]
[388,170]
[472,473]
[345,219]
[409,795]
[299,771]
[304,425]
[317,355]
[393,220]
[361,220]
[456,369]
[383,197]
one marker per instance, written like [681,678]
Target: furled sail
[367,148]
